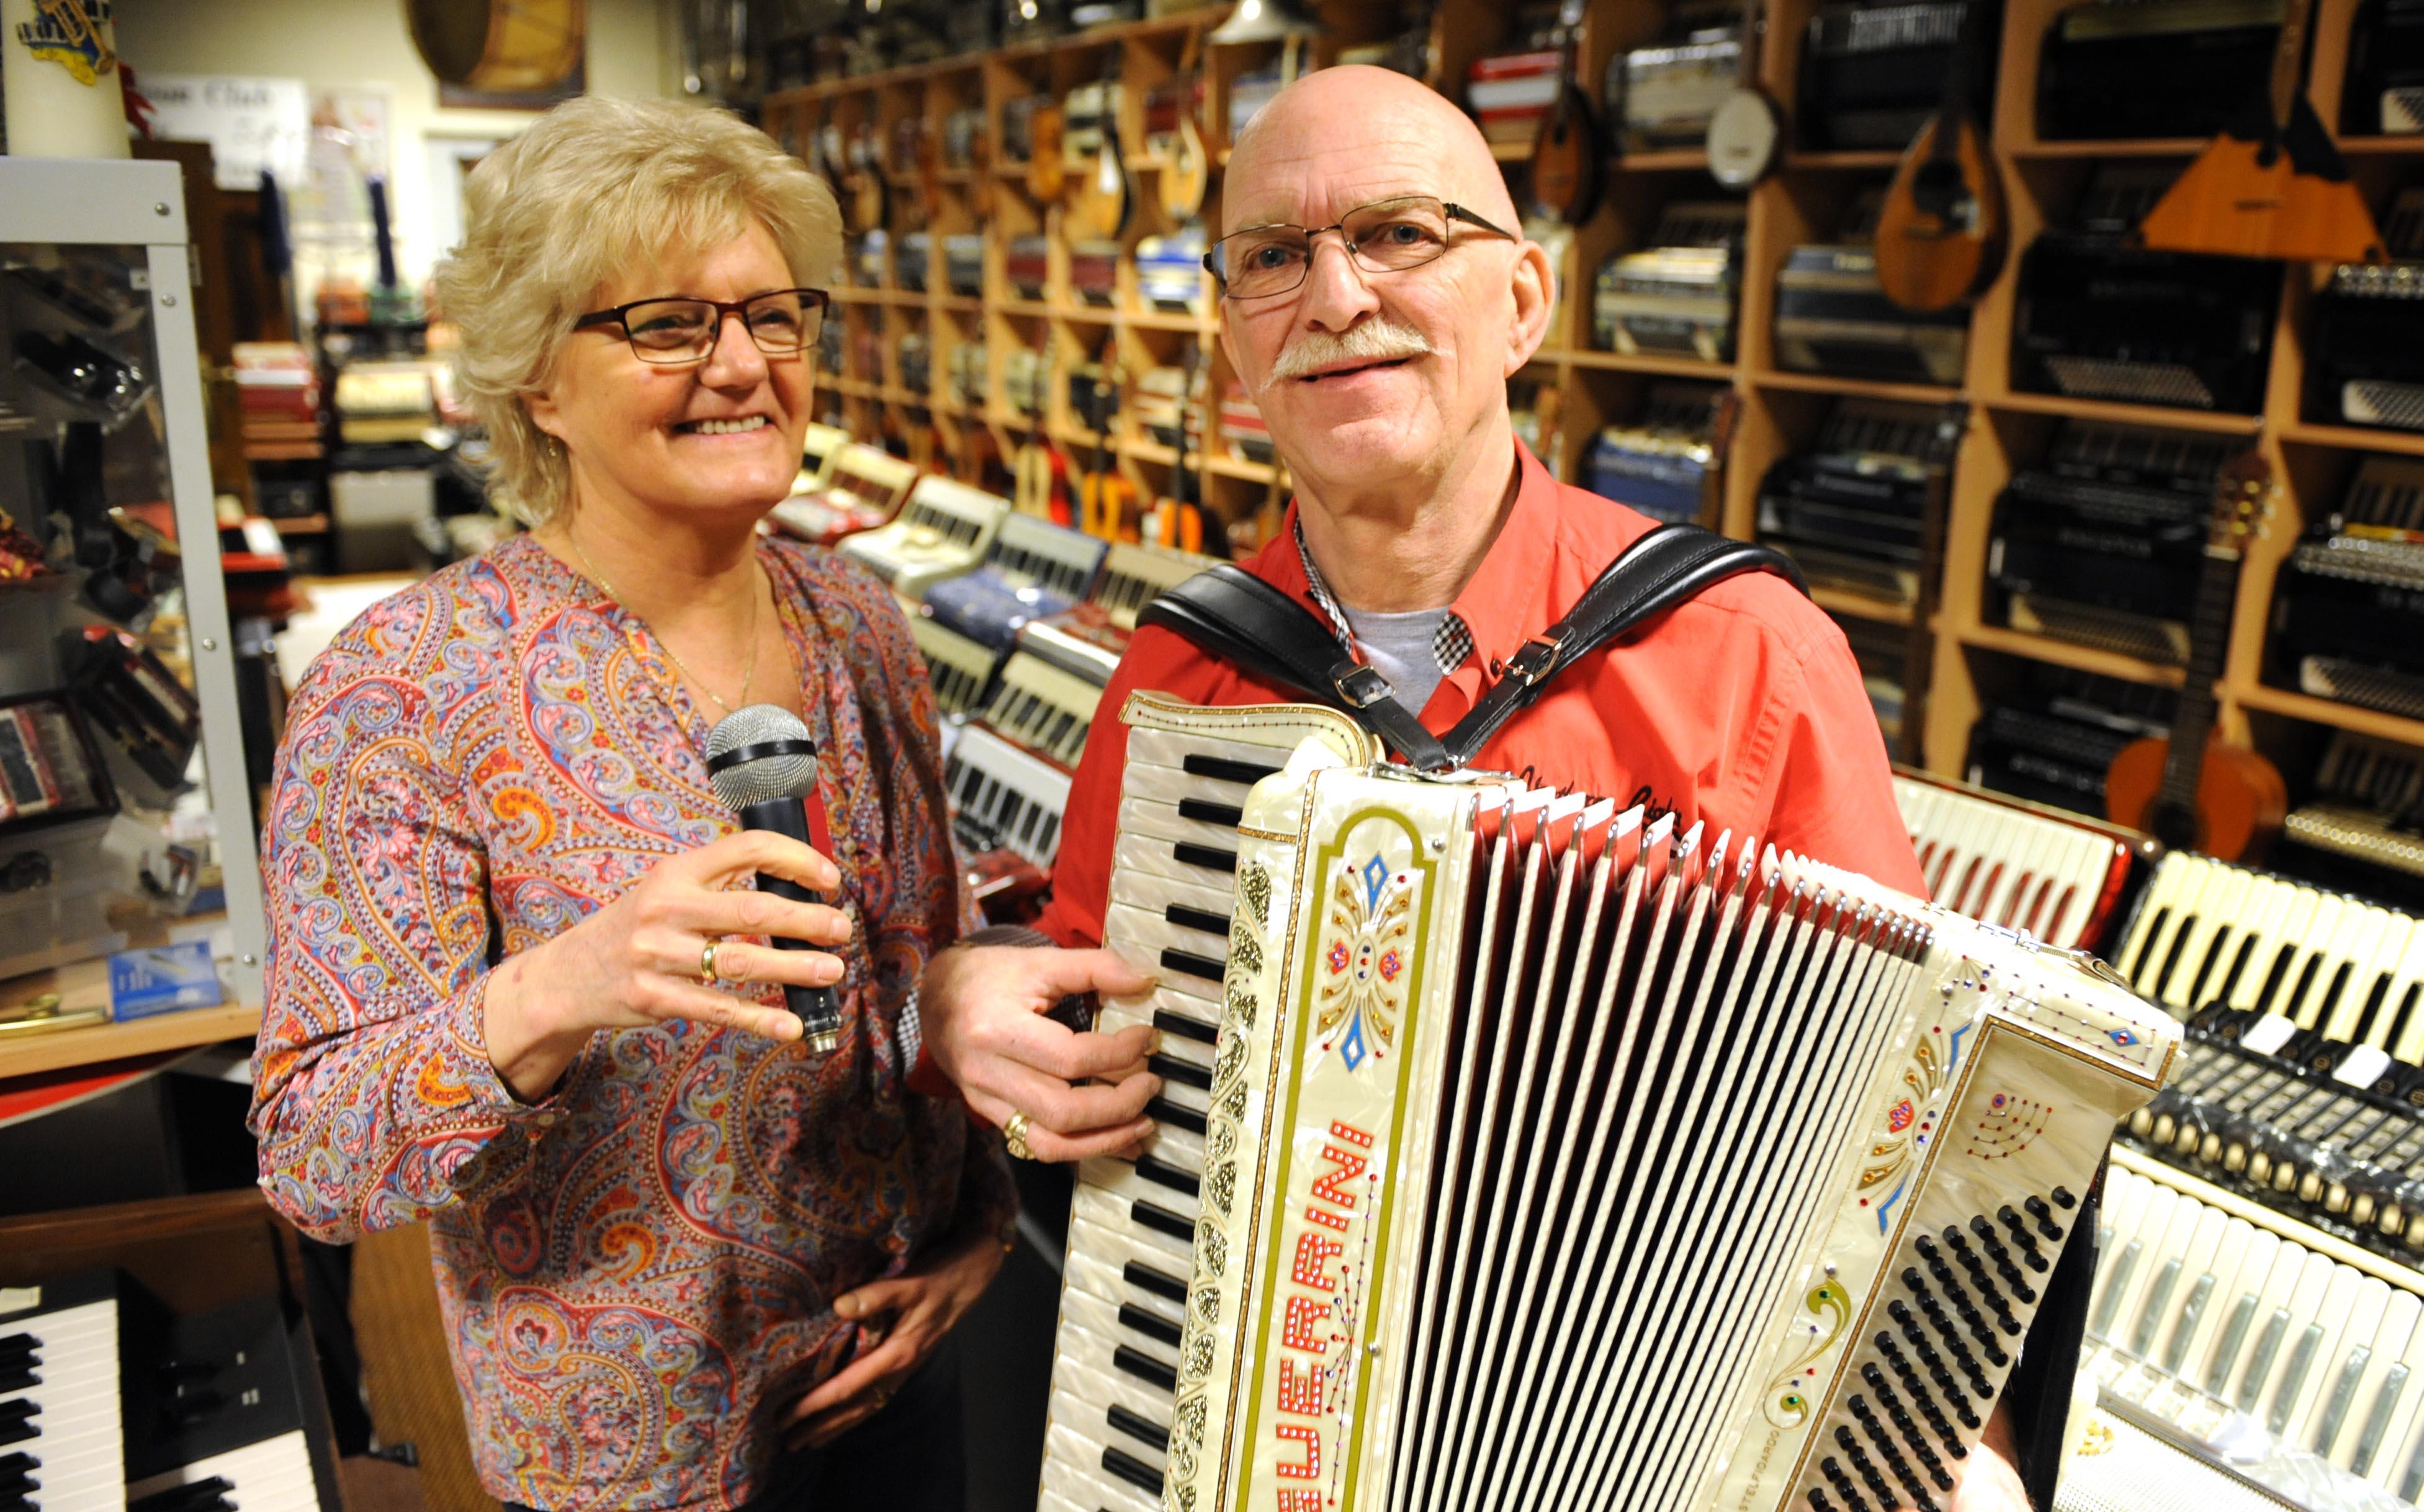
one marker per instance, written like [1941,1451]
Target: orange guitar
[2195,790]
[1107,500]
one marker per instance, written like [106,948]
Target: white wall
[357,42]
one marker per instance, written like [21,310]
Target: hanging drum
[501,46]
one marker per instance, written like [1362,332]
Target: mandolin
[1565,156]
[1940,229]
[1746,130]
[2194,790]
[2273,184]
[1186,165]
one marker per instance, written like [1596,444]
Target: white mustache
[1377,339]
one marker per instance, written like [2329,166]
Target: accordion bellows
[1554,1158]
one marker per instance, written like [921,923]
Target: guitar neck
[2289,57]
[2209,644]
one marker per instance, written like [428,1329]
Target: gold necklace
[748,665]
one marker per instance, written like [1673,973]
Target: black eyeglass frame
[817,300]
[1456,215]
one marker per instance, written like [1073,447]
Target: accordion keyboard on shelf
[2367,806]
[1677,297]
[1852,510]
[2102,543]
[1030,570]
[1383,1234]
[1004,798]
[2384,91]
[2098,319]
[2348,611]
[943,531]
[1134,576]
[1872,74]
[1658,463]
[820,446]
[1661,95]
[2052,745]
[1170,271]
[963,265]
[2243,1360]
[1833,316]
[1042,706]
[2365,349]
[863,488]
[1026,262]
[2152,67]
[2061,876]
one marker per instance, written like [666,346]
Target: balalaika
[1470,1182]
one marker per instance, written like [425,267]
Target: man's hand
[982,1009]
[923,1305]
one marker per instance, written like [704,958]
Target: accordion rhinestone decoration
[1528,1151]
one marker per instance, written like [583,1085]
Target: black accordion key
[1163,1110]
[1185,1028]
[1133,1471]
[1145,1368]
[1210,813]
[1195,919]
[1163,1174]
[1161,1220]
[1188,854]
[1224,770]
[1140,1427]
[1145,1278]
[1153,1327]
[1188,963]
[1170,1068]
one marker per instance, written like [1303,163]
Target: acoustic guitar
[1176,518]
[1746,130]
[2273,184]
[1100,211]
[1106,498]
[1565,155]
[2196,791]
[1940,229]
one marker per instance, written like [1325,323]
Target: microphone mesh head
[768,776]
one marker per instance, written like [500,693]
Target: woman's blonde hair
[548,219]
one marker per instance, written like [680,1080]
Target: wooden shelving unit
[1780,410]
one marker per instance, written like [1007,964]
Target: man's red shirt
[1743,708]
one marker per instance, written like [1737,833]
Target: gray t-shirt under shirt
[1399,647]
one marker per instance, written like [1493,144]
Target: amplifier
[2153,68]
[2102,544]
[1832,316]
[1851,510]
[2366,351]
[2097,319]
[1677,297]
[1658,463]
[2348,609]
[1662,95]
[1870,74]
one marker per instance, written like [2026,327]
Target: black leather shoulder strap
[1662,569]
[1237,617]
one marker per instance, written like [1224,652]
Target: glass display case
[126,812]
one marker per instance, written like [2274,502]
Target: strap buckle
[1531,669]
[1362,686]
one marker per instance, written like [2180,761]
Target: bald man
[1375,298]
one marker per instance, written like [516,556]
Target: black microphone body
[763,766]
[819,1014]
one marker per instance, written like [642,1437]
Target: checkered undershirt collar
[1450,644]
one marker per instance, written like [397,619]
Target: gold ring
[707,963]
[1014,1135]
[882,1399]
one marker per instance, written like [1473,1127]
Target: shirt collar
[1496,610]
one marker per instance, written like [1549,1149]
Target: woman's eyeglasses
[1389,236]
[670,331]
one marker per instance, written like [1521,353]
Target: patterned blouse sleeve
[926,918]
[375,1103]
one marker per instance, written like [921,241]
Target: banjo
[1747,131]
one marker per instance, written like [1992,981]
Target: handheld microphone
[764,768]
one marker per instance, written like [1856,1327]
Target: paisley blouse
[637,1273]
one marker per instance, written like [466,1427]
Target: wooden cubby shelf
[1971,655]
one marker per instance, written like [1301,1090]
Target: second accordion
[1529,1149]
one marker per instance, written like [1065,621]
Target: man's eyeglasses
[671,331]
[1388,236]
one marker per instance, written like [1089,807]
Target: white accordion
[1519,1151]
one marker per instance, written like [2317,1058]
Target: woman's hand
[636,960]
[924,1304]
[981,1010]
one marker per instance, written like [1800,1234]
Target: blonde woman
[519,985]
